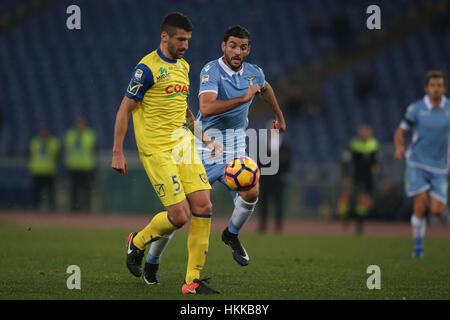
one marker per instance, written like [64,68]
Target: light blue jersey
[429,149]
[230,126]
[427,156]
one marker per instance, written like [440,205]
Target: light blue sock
[241,214]
[157,248]
[418,243]
[152,260]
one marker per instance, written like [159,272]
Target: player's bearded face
[435,88]
[178,44]
[235,50]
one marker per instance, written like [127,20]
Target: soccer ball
[241,173]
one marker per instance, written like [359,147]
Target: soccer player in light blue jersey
[427,157]
[228,86]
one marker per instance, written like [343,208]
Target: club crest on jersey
[204,178]
[134,87]
[160,190]
[250,80]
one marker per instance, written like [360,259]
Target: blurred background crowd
[343,89]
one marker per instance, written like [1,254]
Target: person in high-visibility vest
[43,167]
[80,160]
[364,151]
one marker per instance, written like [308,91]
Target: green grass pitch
[286,267]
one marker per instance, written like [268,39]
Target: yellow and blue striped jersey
[160,86]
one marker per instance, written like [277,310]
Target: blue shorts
[215,173]
[418,180]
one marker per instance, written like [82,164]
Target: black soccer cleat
[198,287]
[239,253]
[150,273]
[134,256]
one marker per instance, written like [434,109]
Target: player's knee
[180,220]
[437,210]
[181,216]
[204,207]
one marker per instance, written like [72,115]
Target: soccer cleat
[198,287]
[134,256]
[418,248]
[417,253]
[239,253]
[150,271]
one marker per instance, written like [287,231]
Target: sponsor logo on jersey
[177,90]
[162,70]
[163,77]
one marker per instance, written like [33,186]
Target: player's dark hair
[238,32]
[433,74]
[176,20]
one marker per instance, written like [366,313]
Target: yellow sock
[198,243]
[159,226]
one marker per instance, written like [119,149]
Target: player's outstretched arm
[209,105]
[268,95]
[119,162]
[399,144]
[215,146]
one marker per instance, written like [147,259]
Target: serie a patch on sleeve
[138,74]
[205,78]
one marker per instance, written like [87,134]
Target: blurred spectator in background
[387,201]
[294,103]
[344,204]
[364,86]
[313,105]
[441,20]
[43,167]
[363,151]
[341,30]
[80,160]
[272,186]
[1,118]
[307,105]
[315,25]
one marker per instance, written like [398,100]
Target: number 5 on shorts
[176,182]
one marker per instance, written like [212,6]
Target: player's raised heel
[134,256]
[238,251]
[150,273]
[198,287]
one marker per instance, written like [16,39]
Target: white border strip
[413,193]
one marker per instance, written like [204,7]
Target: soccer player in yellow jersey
[157,98]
